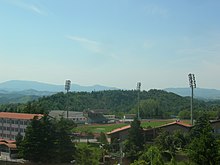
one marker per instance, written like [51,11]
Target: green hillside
[153,103]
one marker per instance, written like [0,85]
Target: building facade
[77,117]
[13,123]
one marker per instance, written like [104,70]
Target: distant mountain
[17,91]
[200,93]
[16,98]
[19,85]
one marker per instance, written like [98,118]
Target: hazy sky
[111,42]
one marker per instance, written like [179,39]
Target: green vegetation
[153,103]
[198,147]
[109,127]
[135,142]
[47,141]
[204,148]
[87,154]
[155,123]
[98,128]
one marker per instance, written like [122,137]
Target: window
[12,121]
[8,121]
[16,121]
[25,122]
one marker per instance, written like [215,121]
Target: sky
[114,43]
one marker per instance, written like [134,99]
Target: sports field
[97,128]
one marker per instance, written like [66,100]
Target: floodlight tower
[67,85]
[192,85]
[67,88]
[138,89]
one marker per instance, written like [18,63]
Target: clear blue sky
[111,42]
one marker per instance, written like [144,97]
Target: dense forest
[153,103]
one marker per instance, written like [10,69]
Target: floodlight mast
[67,85]
[67,88]
[138,89]
[192,85]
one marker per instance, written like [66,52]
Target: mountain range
[19,91]
[20,85]
[199,93]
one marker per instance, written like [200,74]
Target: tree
[87,155]
[135,141]
[65,148]
[152,156]
[103,139]
[38,143]
[203,148]
[184,114]
[18,140]
[140,162]
[150,108]
[170,143]
[47,141]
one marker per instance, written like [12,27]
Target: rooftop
[178,123]
[10,115]
[119,129]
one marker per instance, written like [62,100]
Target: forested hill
[153,103]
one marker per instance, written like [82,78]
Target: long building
[13,123]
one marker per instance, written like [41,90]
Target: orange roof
[26,116]
[119,129]
[9,145]
[176,122]
[7,141]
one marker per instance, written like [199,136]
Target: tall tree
[204,149]
[65,148]
[135,141]
[152,156]
[47,141]
[87,155]
[37,145]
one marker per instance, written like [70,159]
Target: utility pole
[192,85]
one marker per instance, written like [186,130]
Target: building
[151,133]
[216,126]
[111,118]
[96,116]
[13,123]
[119,133]
[8,150]
[128,118]
[77,117]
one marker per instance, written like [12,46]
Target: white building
[77,117]
[13,123]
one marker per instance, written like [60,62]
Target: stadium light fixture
[67,88]
[192,85]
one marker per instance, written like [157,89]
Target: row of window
[14,121]
[12,129]
[79,119]
[8,136]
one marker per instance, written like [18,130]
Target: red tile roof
[26,116]
[119,129]
[178,123]
[9,143]
[173,123]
